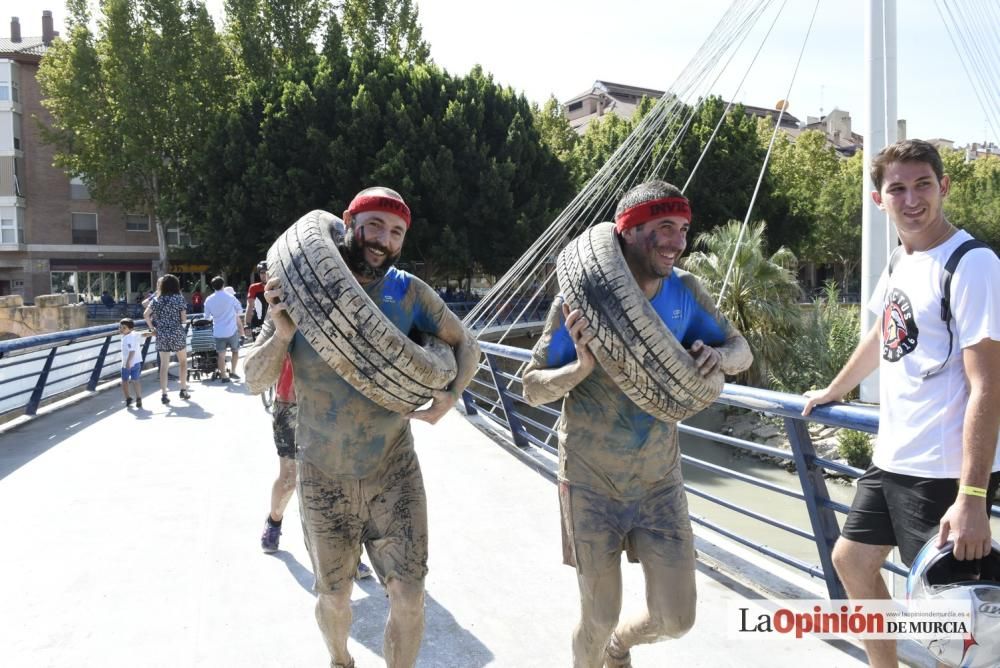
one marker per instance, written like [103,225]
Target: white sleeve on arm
[975,298]
[876,304]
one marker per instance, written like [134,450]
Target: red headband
[651,210]
[363,203]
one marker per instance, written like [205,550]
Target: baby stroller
[202,358]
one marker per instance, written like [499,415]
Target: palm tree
[761,297]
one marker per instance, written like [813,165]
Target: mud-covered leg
[600,605]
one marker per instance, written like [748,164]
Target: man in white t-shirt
[227,326]
[939,412]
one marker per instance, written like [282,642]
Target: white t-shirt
[130,343]
[920,418]
[224,309]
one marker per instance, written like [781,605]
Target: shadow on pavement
[442,634]
[23,443]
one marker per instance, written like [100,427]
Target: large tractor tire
[345,327]
[631,342]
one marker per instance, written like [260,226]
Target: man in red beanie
[359,479]
[620,484]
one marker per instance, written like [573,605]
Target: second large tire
[345,327]
[631,342]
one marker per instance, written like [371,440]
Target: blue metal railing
[491,395]
[116,312]
[36,368]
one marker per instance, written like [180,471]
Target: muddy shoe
[615,656]
[269,539]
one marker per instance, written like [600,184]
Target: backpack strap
[949,270]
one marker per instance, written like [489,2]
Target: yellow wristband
[972,491]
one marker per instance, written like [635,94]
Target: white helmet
[937,575]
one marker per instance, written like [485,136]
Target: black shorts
[283,424]
[902,510]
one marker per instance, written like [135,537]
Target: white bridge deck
[132,539]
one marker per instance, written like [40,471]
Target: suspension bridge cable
[767,157]
[965,66]
[594,199]
[736,93]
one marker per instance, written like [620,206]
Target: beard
[353,252]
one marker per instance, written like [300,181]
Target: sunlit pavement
[131,538]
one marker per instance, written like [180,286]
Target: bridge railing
[37,368]
[497,394]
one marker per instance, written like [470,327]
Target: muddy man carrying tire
[634,345]
[343,312]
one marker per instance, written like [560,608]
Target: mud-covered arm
[466,348]
[543,386]
[265,358]
[735,351]
[435,316]
[544,383]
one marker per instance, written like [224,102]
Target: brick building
[53,236]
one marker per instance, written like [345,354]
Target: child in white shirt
[131,364]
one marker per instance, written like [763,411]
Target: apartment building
[53,236]
[605,97]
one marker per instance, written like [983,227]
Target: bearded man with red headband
[359,480]
[620,484]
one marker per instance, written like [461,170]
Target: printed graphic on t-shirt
[899,330]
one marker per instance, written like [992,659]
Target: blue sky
[559,48]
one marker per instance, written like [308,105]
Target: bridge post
[99,364]
[43,377]
[470,405]
[145,349]
[516,427]
[821,516]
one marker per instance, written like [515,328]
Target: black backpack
[949,270]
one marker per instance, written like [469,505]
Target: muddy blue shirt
[606,442]
[341,431]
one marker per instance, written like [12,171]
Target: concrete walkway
[132,539]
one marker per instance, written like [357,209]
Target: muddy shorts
[386,512]
[653,529]
[283,424]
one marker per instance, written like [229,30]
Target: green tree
[734,157]
[973,203]
[554,129]
[273,39]
[818,194]
[131,104]
[376,28]
[724,183]
[761,297]
[829,336]
[463,151]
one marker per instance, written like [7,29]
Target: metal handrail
[44,357]
[95,362]
[809,466]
